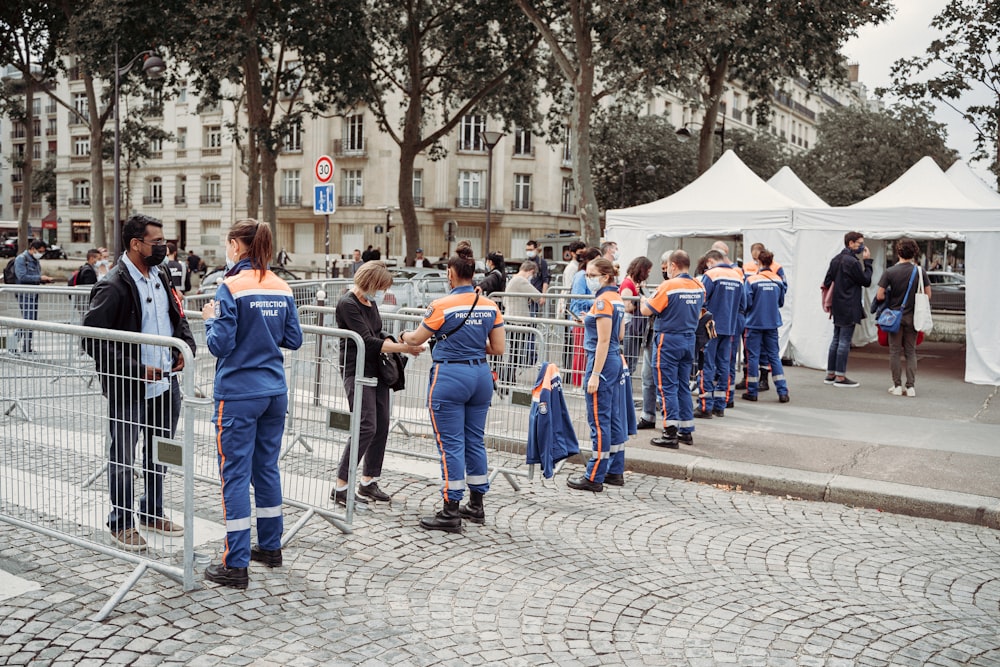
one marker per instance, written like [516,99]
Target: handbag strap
[906,297]
[462,322]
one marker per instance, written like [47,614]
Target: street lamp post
[491,139]
[649,170]
[154,67]
[683,134]
[388,225]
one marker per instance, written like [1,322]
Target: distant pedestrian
[175,269]
[541,277]
[420,261]
[765,296]
[367,255]
[496,274]
[356,263]
[283,257]
[194,266]
[636,323]
[28,271]
[893,287]
[725,299]
[850,271]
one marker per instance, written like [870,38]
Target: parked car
[415,287]
[947,290]
[210,282]
[8,248]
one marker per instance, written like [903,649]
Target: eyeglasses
[158,242]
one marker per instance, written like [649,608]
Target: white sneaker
[911,392]
[896,390]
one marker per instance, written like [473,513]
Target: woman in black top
[357,311]
[496,276]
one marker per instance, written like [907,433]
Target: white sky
[908,34]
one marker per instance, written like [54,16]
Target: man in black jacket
[139,380]
[849,272]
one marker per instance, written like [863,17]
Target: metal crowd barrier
[49,445]
[317,428]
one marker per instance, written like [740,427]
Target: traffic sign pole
[324,200]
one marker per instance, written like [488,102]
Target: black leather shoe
[340,497]
[764,386]
[749,397]
[373,492]
[473,510]
[731,403]
[701,414]
[234,577]
[686,438]
[449,519]
[783,398]
[271,558]
[718,413]
[581,483]
[741,385]
[668,439]
[645,424]
[614,480]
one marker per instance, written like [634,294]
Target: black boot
[473,510]
[764,384]
[668,439]
[449,519]
[234,577]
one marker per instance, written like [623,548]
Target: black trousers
[372,432]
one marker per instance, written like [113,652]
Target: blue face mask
[377,297]
[229,264]
[861,249]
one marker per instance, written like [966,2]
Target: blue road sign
[324,199]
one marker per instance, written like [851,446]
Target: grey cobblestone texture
[660,572]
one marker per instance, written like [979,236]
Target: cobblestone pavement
[660,572]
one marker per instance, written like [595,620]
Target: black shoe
[340,497]
[234,577]
[749,397]
[783,398]
[731,403]
[668,439]
[764,386]
[449,519]
[846,382]
[372,491]
[719,413]
[614,480]
[741,385]
[645,424]
[474,510]
[271,558]
[701,414]
[829,379]
[581,483]
[686,438]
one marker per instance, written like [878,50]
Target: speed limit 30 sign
[323,169]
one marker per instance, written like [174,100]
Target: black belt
[467,362]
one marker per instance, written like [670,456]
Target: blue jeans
[649,394]
[840,347]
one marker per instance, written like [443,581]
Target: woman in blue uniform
[251,318]
[467,327]
[604,327]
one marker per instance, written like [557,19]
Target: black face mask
[666,275]
[156,258]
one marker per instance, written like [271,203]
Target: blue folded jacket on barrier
[551,437]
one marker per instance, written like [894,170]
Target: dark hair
[588,255]
[680,259]
[38,244]
[533,243]
[907,248]
[639,268]
[93,252]
[171,248]
[851,237]
[604,267]
[575,246]
[715,256]
[756,246]
[135,228]
[497,258]
[765,258]
[463,262]
[702,265]
[257,237]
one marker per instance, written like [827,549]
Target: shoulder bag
[922,320]
[890,319]
[827,293]
[392,367]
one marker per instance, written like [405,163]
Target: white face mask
[36,255]
[593,283]
[377,296]
[616,255]
[531,254]
[230,262]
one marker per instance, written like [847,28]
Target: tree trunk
[255,120]
[24,226]
[712,99]
[268,168]
[583,106]
[98,221]
[407,209]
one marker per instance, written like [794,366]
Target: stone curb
[826,487]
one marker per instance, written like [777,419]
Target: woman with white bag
[893,289]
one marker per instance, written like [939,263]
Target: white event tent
[923,203]
[789,184]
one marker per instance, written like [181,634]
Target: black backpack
[9,275]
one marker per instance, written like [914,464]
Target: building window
[36,106]
[291,78]
[180,191]
[81,146]
[81,193]
[567,152]
[52,128]
[566,197]
[354,134]
[292,142]
[211,189]
[80,231]
[291,187]
[470,137]
[36,127]
[154,191]
[522,142]
[81,107]
[352,188]
[182,92]
[182,138]
[213,140]
[36,150]
[522,192]
[156,147]
[470,185]
[418,187]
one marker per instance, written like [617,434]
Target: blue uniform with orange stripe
[765,296]
[253,320]
[551,436]
[460,388]
[724,298]
[606,422]
[677,304]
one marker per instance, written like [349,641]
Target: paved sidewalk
[936,455]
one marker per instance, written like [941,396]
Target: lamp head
[683,134]
[154,67]
[491,138]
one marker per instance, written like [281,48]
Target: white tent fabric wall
[784,244]
[982,317]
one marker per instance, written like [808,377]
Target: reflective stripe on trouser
[764,343]
[715,385]
[458,398]
[248,440]
[674,357]
[601,413]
